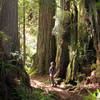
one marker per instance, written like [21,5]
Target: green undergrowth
[35,94]
[15,84]
[92,95]
[30,71]
[12,76]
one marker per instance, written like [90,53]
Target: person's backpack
[51,70]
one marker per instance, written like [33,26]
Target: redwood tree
[67,41]
[77,21]
[9,26]
[11,67]
[46,44]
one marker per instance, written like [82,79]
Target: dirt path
[67,92]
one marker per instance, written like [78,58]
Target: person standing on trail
[51,73]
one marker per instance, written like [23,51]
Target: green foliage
[29,62]
[45,96]
[78,1]
[98,5]
[4,36]
[31,16]
[31,27]
[2,3]
[93,66]
[8,65]
[47,81]
[93,95]
[25,93]
[34,94]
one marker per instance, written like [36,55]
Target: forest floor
[64,91]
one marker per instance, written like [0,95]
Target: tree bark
[46,44]
[67,42]
[97,35]
[62,58]
[24,36]
[9,26]
[11,67]
[72,67]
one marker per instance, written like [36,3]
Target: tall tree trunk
[46,44]
[65,60]
[9,26]
[91,20]
[96,26]
[24,37]
[62,57]
[9,43]
[72,67]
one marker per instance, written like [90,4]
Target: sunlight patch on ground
[91,86]
[37,84]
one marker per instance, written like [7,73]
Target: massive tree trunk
[72,67]
[62,58]
[77,25]
[9,26]
[46,44]
[66,59]
[12,72]
[89,16]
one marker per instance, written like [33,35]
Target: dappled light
[64,91]
[92,86]
[49,50]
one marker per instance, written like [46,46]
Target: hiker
[51,73]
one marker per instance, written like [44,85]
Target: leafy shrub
[34,94]
[93,96]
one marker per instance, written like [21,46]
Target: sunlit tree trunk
[67,42]
[46,44]
[62,57]
[24,37]
[72,67]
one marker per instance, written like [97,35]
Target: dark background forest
[35,32]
